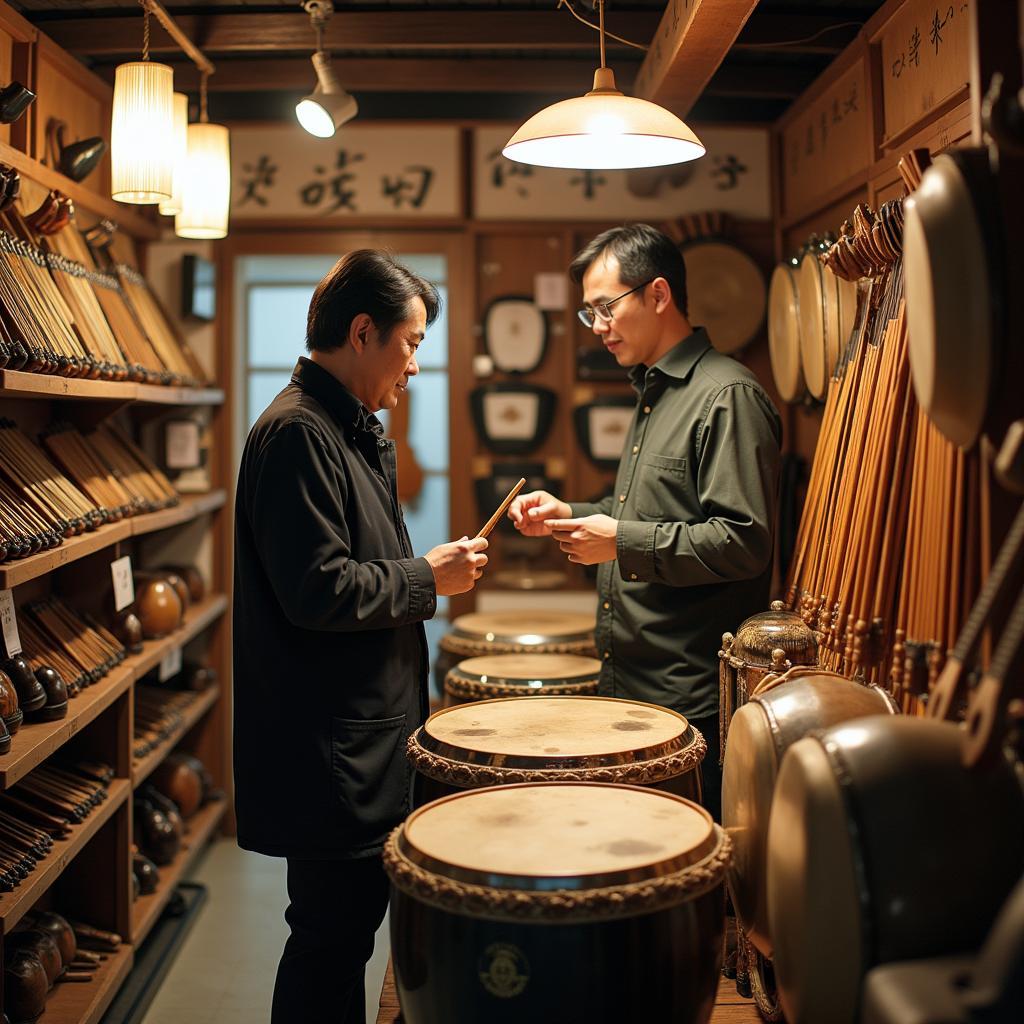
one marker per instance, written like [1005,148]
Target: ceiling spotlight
[328,106]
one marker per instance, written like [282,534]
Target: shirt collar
[334,396]
[678,362]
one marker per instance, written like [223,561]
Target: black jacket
[330,656]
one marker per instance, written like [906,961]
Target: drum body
[766,644]
[882,847]
[521,675]
[479,634]
[557,903]
[762,731]
[555,739]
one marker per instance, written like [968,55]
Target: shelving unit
[147,909]
[17,384]
[143,767]
[86,1003]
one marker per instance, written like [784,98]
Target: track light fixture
[328,106]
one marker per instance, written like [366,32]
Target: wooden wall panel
[6,73]
[70,93]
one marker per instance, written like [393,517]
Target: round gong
[540,632]
[557,902]
[556,739]
[521,675]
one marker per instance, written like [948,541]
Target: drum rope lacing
[563,905]
[472,647]
[482,691]
[639,773]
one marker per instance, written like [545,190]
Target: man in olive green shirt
[684,543]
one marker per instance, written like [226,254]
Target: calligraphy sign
[369,170]
[732,177]
[925,60]
[827,142]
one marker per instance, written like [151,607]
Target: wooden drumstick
[502,508]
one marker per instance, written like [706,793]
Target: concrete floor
[224,973]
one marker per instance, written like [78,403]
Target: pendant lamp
[142,129]
[603,130]
[328,106]
[172,206]
[206,188]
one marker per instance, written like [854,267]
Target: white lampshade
[206,192]
[603,130]
[142,133]
[169,207]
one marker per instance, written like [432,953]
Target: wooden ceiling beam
[356,30]
[692,40]
[397,74]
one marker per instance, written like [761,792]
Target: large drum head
[571,836]
[555,732]
[522,675]
[812,325]
[882,847]
[784,333]
[481,633]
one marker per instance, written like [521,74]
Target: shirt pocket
[660,487]
[370,775]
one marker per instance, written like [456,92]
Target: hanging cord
[600,28]
[600,14]
[145,29]
[203,118]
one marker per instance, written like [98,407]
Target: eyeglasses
[603,310]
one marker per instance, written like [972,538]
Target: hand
[529,512]
[457,565]
[586,541]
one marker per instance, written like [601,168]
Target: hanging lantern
[206,190]
[172,206]
[141,133]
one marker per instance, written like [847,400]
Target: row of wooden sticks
[99,477]
[886,561]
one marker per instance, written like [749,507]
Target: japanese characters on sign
[732,177]
[925,59]
[369,170]
[829,141]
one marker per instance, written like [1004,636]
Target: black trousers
[336,907]
[711,772]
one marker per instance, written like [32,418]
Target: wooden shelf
[14,905]
[144,767]
[85,1003]
[147,909]
[197,618]
[35,742]
[24,569]
[184,512]
[18,384]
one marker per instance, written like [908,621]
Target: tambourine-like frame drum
[557,903]
[556,739]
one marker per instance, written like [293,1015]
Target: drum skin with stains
[555,739]
[557,902]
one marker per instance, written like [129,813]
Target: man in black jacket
[330,655]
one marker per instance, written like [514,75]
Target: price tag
[551,291]
[124,584]
[170,664]
[12,642]
[182,450]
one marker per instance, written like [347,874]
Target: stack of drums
[521,675]
[556,739]
[557,902]
[544,632]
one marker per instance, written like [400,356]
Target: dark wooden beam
[399,74]
[357,30]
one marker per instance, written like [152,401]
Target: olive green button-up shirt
[695,498]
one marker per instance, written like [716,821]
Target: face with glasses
[624,318]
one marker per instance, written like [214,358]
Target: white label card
[124,584]
[12,642]
[170,664]
[182,444]
[551,291]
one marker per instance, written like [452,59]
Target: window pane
[263,388]
[428,420]
[277,324]
[434,267]
[279,269]
[433,353]
[427,516]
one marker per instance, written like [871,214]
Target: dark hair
[365,281]
[643,253]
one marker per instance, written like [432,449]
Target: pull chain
[600,10]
